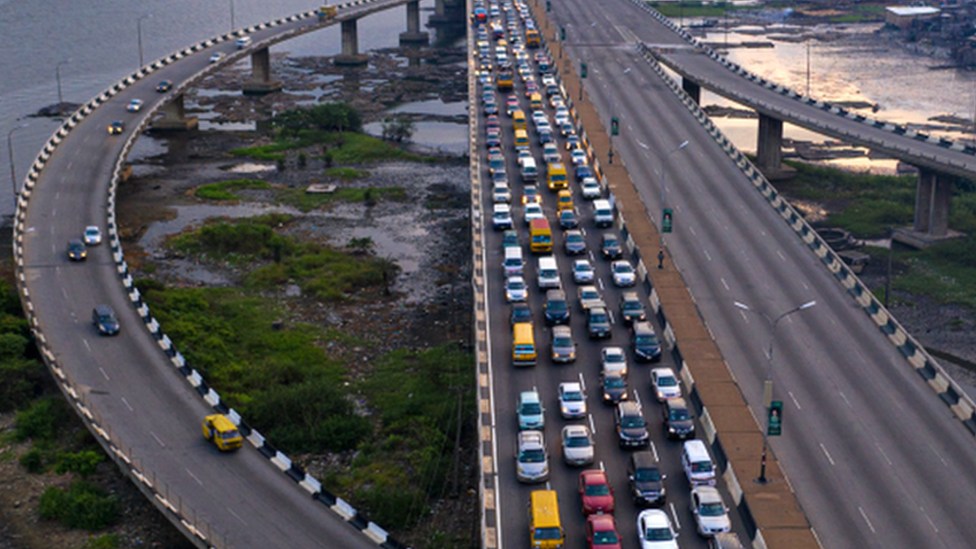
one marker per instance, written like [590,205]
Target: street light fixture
[57,72]
[232,24]
[139,30]
[768,385]
[664,176]
[10,153]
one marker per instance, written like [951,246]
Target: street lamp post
[10,153]
[232,24]
[139,30]
[664,176]
[57,72]
[768,385]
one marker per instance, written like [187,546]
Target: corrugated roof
[912,10]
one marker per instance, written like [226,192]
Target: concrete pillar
[439,17]
[923,200]
[692,89]
[350,55]
[261,81]
[939,207]
[413,34]
[174,117]
[769,150]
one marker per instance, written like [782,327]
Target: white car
[613,360]
[134,106]
[548,79]
[533,211]
[93,235]
[623,273]
[562,111]
[531,458]
[577,445]
[582,271]
[589,297]
[522,155]
[538,116]
[501,217]
[577,157]
[654,530]
[591,188]
[501,193]
[665,384]
[543,127]
[550,153]
[711,515]
[572,400]
[515,289]
[216,57]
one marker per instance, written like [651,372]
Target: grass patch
[82,505]
[305,202]
[946,273]
[343,148]
[696,9]
[346,174]
[223,190]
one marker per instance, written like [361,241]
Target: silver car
[577,445]
[582,271]
[531,458]
[563,346]
[572,400]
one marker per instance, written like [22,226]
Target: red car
[531,87]
[595,492]
[493,122]
[601,532]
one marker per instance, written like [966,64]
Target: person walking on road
[660,258]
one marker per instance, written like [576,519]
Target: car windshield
[532,456]
[501,215]
[614,358]
[715,509]
[622,268]
[531,408]
[228,435]
[574,238]
[614,382]
[590,294]
[678,414]
[557,306]
[562,342]
[578,442]
[632,306]
[652,340]
[597,490]
[605,537]
[106,318]
[516,285]
[701,467]
[547,533]
[598,317]
[666,381]
[632,422]
[572,396]
[649,474]
[583,268]
[658,534]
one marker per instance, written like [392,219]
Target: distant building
[903,16]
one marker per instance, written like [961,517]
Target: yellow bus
[540,233]
[557,178]
[518,120]
[505,79]
[523,344]
[564,200]
[532,38]
[522,140]
[545,529]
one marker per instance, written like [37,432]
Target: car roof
[643,460]
[562,330]
[664,371]
[612,350]
[707,494]
[529,396]
[530,439]
[645,328]
[628,408]
[654,517]
[576,430]
[570,385]
[676,403]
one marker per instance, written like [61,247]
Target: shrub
[21,380]
[33,461]
[222,190]
[108,541]
[41,421]
[84,463]
[82,505]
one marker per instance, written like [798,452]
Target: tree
[398,128]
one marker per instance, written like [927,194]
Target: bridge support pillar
[933,196]
[261,81]
[350,56]
[413,34]
[692,89]
[447,12]
[769,149]
[174,117]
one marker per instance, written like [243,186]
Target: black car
[583,171]
[557,308]
[597,323]
[647,348]
[646,480]
[631,308]
[631,428]
[614,387]
[545,137]
[77,250]
[103,317]
[574,243]
[116,127]
[610,247]
[164,86]
[677,419]
[521,313]
[491,108]
[567,219]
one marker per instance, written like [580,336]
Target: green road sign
[614,126]
[668,218]
[775,426]
[562,34]
[582,70]
[548,5]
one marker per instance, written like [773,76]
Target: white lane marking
[795,401]
[582,230]
[189,472]
[726,284]
[582,383]
[642,145]
[922,509]
[805,287]
[163,445]
[602,468]
[64,293]
[103,373]
[236,516]
[865,516]
[780,254]
[610,314]
[691,229]
[674,516]
[843,396]
[637,398]
[883,454]
[654,450]
[602,287]
[127,405]
[592,425]
[87,346]
[589,254]
[938,455]
[708,257]
[826,453]
[548,486]
[743,315]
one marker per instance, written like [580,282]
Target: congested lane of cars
[560,283]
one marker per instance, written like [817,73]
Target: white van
[602,213]
[529,170]
[697,464]
[243,42]
[548,272]
[513,261]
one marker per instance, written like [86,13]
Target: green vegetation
[108,541]
[861,13]
[222,190]
[696,9]
[82,505]
[305,202]
[346,174]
